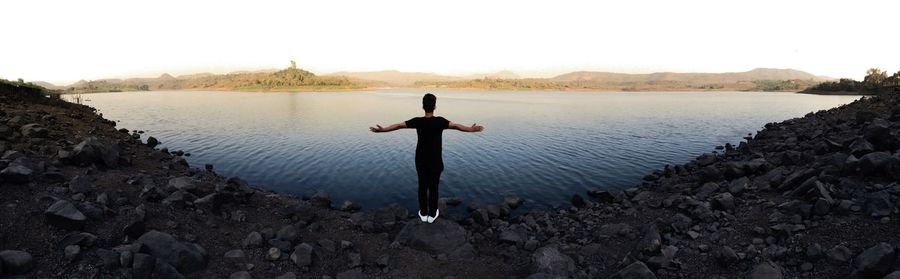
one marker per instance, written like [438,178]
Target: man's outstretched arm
[464,128]
[379,129]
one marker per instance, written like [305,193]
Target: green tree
[874,79]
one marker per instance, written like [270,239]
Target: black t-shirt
[428,148]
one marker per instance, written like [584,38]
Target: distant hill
[393,77]
[290,79]
[45,84]
[757,74]
[295,79]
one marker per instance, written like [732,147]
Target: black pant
[429,177]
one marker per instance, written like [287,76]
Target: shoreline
[438,89]
[760,207]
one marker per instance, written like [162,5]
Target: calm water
[542,147]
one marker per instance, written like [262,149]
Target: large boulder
[91,151]
[34,130]
[81,184]
[766,270]
[876,261]
[16,262]
[302,255]
[187,258]
[65,215]
[651,241]
[182,183]
[16,173]
[440,237]
[636,270]
[515,234]
[550,260]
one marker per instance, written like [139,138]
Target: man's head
[428,102]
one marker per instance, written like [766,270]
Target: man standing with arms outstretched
[429,161]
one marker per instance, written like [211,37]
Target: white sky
[64,41]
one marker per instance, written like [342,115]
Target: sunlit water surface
[542,147]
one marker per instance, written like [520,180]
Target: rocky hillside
[812,197]
[701,78]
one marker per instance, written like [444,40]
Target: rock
[152,142]
[706,189]
[839,254]
[143,265]
[876,261]
[531,244]
[236,256]
[79,238]
[350,206]
[893,275]
[71,252]
[874,162]
[726,256]
[814,251]
[766,270]
[724,201]
[549,260]
[34,130]
[467,251]
[302,255]
[861,147]
[288,233]
[602,196]
[352,274]
[878,204]
[736,187]
[355,260]
[240,275]
[706,159]
[650,242]
[681,222]
[91,151]
[81,184]
[135,229]
[180,198]
[165,270]
[383,260]
[109,258]
[16,262]
[63,214]
[273,254]
[515,234]
[253,240]
[512,202]
[16,173]
[636,270]
[185,257]
[289,275]
[578,201]
[185,183]
[493,210]
[280,244]
[321,199]
[440,237]
[481,217]
[821,207]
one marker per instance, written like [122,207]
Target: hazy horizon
[63,42]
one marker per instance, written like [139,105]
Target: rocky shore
[812,197]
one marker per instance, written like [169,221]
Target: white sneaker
[423,218]
[436,214]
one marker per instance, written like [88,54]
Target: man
[429,161]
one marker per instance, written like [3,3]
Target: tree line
[875,82]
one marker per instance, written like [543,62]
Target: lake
[541,146]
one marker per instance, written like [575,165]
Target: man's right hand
[376,129]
